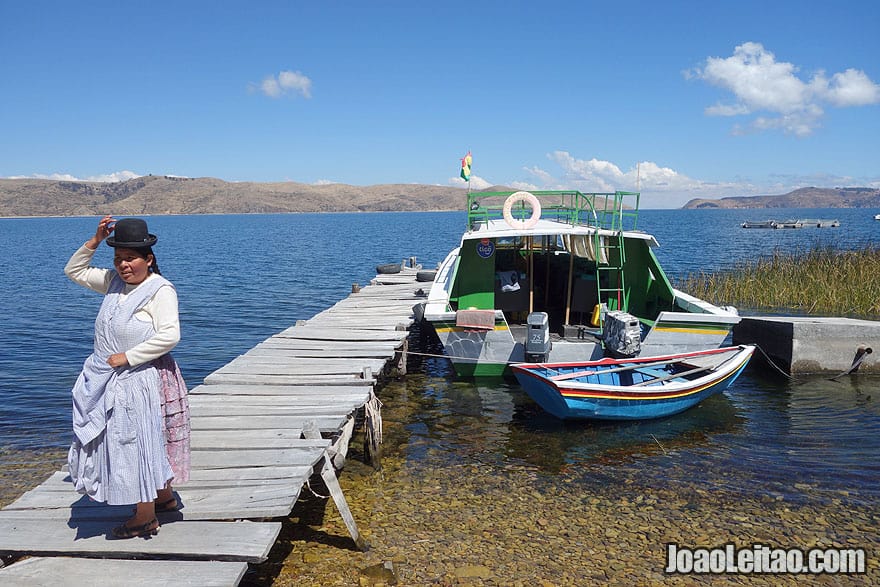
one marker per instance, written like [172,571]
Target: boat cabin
[576,258]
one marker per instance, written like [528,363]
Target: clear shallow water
[244,278]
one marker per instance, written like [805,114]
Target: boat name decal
[486,248]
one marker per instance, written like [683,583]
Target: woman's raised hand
[105,227]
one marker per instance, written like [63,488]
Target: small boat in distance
[759,224]
[631,389]
[876,216]
[789,224]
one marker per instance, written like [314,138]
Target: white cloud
[760,83]
[285,83]
[477,183]
[850,88]
[661,187]
[105,178]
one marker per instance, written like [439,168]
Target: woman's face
[131,265]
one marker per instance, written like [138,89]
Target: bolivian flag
[466,167]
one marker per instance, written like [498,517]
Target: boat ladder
[610,280]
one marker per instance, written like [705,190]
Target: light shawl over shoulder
[161,309]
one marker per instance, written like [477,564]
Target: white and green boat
[561,276]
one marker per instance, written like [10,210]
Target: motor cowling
[537,337]
[622,334]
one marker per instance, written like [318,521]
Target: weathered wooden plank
[325,423]
[294,390]
[393,279]
[319,365]
[344,334]
[299,366]
[285,472]
[217,439]
[224,541]
[39,572]
[60,482]
[403,299]
[232,497]
[279,353]
[256,379]
[223,502]
[360,321]
[343,322]
[389,317]
[309,344]
[222,459]
[207,410]
[280,401]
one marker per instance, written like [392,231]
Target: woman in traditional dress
[130,412]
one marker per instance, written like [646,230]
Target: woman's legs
[144,522]
[165,500]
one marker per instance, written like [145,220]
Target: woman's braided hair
[146,252]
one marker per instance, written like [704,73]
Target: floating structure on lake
[799,223]
[759,224]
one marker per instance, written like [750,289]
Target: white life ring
[521,197]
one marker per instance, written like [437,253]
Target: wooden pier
[262,425]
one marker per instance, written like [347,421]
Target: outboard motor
[537,337]
[622,335]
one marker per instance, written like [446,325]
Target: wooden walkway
[262,425]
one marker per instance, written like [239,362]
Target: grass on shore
[822,280]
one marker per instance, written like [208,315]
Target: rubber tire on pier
[426,275]
[388,268]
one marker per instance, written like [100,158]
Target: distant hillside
[176,195]
[801,198]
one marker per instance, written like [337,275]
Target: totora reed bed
[822,280]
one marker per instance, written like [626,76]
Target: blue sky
[702,99]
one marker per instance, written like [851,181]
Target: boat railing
[608,210]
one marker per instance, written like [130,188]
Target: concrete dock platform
[803,344]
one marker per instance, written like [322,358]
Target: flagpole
[466,170]
[469,176]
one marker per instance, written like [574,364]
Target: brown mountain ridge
[157,194]
[811,197]
[177,195]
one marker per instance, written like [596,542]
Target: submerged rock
[380,574]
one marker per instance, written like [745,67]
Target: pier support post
[328,474]
[373,432]
[401,358]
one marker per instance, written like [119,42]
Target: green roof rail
[608,210]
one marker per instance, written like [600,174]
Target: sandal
[169,505]
[151,528]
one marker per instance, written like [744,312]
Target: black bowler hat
[131,233]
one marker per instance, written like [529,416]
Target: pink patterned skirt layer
[175,407]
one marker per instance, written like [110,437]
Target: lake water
[243,278]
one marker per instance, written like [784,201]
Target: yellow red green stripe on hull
[693,328]
[637,395]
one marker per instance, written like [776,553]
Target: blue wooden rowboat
[631,389]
